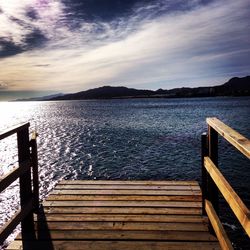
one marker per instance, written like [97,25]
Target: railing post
[34,160]
[204,174]
[27,224]
[213,194]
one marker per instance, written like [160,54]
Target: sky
[66,46]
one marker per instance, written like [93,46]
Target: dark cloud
[8,48]
[17,21]
[35,39]
[90,10]
[42,65]
[32,13]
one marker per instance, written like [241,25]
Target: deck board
[121,215]
[114,245]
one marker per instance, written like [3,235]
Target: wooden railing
[213,181]
[29,192]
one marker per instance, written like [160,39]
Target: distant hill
[41,98]
[234,87]
[106,92]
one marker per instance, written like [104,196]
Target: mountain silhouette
[234,87]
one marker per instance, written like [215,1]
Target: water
[141,139]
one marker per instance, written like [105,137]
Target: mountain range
[234,87]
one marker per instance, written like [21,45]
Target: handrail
[234,201]
[29,193]
[213,180]
[14,130]
[232,136]
[9,178]
[15,220]
[217,226]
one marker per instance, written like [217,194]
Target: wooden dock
[134,215]
[122,215]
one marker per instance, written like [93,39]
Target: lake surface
[135,139]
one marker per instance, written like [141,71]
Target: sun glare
[11,111]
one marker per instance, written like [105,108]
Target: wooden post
[27,224]
[213,194]
[34,160]
[204,174]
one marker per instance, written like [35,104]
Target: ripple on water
[123,139]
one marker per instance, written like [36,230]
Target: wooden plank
[122,217]
[232,136]
[129,182]
[123,198]
[234,201]
[121,225]
[122,204]
[9,178]
[217,226]
[127,187]
[122,210]
[114,245]
[8,228]
[14,130]
[126,192]
[125,235]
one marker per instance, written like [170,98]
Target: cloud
[3,85]
[41,65]
[28,23]
[196,43]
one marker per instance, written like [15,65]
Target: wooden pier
[81,214]
[123,215]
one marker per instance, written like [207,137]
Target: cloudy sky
[51,46]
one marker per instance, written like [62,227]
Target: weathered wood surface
[233,137]
[115,203]
[121,215]
[123,210]
[116,245]
[114,182]
[127,192]
[126,187]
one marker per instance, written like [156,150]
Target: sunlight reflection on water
[121,139]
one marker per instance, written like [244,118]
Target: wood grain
[232,136]
[114,245]
[122,215]
[217,226]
